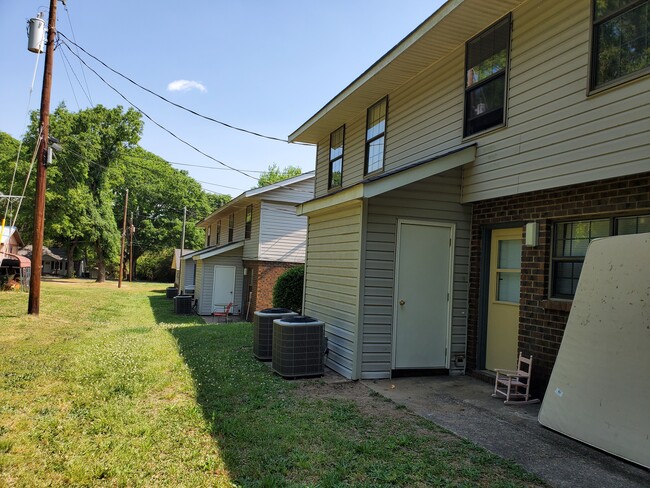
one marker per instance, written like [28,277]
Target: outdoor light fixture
[532,234]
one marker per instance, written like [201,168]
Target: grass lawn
[108,387]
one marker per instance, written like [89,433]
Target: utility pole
[131,229]
[126,204]
[39,204]
[183,233]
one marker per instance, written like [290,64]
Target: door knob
[402,302]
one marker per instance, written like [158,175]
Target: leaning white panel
[599,391]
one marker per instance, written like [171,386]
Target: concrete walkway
[464,406]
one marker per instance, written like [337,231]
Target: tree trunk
[70,270]
[101,265]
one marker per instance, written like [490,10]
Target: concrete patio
[464,406]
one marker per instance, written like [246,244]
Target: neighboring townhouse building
[460,179]
[249,242]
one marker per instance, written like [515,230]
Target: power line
[213,167]
[82,68]
[193,112]
[157,123]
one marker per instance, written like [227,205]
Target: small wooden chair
[514,386]
[225,312]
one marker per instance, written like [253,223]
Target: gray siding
[204,293]
[556,133]
[435,199]
[295,193]
[189,268]
[283,234]
[332,281]
[252,245]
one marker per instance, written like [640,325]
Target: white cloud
[186,85]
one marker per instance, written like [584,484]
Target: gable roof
[247,197]
[443,32]
[8,232]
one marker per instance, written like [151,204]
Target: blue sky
[266,66]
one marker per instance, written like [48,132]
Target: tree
[79,201]
[275,174]
[157,194]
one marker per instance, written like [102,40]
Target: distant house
[460,179]
[11,263]
[249,242]
[176,266]
[54,260]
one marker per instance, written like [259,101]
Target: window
[231,227]
[336,157]
[249,222]
[208,236]
[620,40]
[218,232]
[375,136]
[486,66]
[570,246]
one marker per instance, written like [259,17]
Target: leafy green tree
[274,174]
[157,194]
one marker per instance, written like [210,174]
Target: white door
[223,290]
[423,295]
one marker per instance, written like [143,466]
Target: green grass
[108,387]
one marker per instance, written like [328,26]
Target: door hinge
[445,352]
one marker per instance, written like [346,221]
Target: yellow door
[503,305]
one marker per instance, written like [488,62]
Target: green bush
[287,292]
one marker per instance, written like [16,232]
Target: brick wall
[263,276]
[542,321]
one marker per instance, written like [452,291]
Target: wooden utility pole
[131,229]
[183,234]
[39,204]
[126,204]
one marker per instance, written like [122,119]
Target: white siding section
[435,199]
[332,281]
[283,234]
[556,134]
[204,292]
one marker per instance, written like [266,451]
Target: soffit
[447,29]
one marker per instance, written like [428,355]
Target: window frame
[613,230]
[248,226]
[592,88]
[375,138]
[208,236]
[335,160]
[218,240]
[231,227]
[486,81]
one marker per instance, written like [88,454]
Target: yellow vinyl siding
[332,281]
[555,135]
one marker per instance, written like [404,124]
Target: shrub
[287,292]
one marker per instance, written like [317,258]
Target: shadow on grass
[163,311]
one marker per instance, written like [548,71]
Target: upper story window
[375,136]
[231,227]
[336,157]
[486,67]
[249,222]
[620,40]
[570,243]
[218,232]
[208,236]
